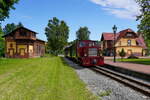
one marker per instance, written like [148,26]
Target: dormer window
[129,35]
[129,43]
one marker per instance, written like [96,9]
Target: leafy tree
[83,33]
[122,54]
[144,18]
[20,25]
[10,27]
[57,33]
[1,43]
[5,7]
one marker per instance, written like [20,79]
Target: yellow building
[127,40]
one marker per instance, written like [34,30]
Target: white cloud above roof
[127,9]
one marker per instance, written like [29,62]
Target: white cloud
[27,17]
[128,9]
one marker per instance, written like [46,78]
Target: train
[85,52]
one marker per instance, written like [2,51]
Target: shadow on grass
[70,63]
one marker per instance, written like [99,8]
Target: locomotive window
[97,43]
[93,44]
[82,44]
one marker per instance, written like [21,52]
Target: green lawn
[138,61]
[40,79]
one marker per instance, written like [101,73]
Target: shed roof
[18,29]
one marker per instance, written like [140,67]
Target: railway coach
[85,52]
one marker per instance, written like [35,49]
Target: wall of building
[131,50]
[39,48]
[22,50]
[11,45]
[124,42]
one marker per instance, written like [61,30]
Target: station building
[126,39]
[22,43]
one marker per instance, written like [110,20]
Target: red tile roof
[141,42]
[109,36]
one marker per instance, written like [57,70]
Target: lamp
[114,31]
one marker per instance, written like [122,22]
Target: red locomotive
[86,52]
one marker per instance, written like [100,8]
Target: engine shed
[22,43]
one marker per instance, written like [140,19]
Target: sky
[98,15]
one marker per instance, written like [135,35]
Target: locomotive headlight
[85,54]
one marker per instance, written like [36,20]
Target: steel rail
[131,82]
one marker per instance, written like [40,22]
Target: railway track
[133,83]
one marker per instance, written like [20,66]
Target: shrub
[122,54]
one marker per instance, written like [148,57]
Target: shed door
[11,52]
[22,52]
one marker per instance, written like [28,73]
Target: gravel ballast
[105,87]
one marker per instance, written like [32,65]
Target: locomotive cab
[89,53]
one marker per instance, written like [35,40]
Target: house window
[129,35]
[129,42]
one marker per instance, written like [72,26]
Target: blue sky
[98,15]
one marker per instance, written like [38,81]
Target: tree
[144,18]
[122,54]
[20,25]
[10,27]
[83,33]
[5,7]
[1,42]
[57,33]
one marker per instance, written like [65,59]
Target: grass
[105,93]
[138,61]
[40,79]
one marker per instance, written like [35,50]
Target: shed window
[11,45]
[23,34]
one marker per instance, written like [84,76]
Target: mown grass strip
[138,61]
[40,79]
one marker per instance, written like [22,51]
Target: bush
[2,52]
[122,54]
